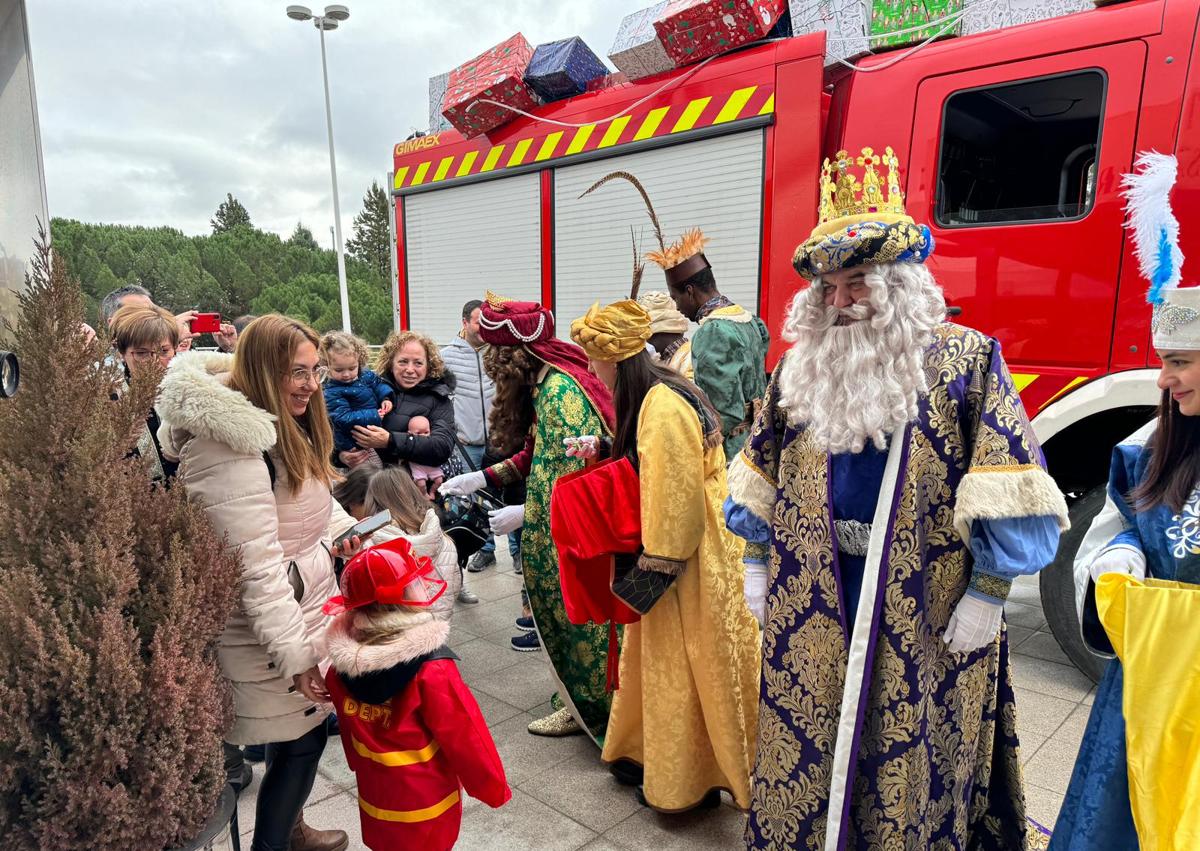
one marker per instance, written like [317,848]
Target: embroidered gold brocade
[699,640]
[932,752]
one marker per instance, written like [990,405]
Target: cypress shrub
[113,594]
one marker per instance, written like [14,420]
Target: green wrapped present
[896,23]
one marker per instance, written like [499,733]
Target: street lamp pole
[333,15]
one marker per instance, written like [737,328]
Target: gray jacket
[473,393]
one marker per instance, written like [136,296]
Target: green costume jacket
[729,354]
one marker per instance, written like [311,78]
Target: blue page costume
[1096,813]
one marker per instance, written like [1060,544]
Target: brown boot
[305,838]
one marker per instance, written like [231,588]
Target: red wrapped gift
[691,30]
[495,75]
[594,513]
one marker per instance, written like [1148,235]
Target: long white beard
[847,384]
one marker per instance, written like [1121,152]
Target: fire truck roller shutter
[462,241]
[714,184]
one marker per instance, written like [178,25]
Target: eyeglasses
[301,376]
[165,352]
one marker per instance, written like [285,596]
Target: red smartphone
[206,323]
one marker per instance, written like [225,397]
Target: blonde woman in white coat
[223,417]
[366,491]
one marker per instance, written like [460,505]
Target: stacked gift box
[563,69]
[844,23]
[494,77]
[636,51]
[994,14]
[437,97]
[692,30]
[895,23]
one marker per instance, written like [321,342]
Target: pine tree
[303,237]
[371,242]
[113,595]
[229,215]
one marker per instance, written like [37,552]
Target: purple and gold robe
[907,745]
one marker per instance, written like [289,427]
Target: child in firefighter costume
[890,491]
[544,394]
[1137,780]
[683,719]
[413,733]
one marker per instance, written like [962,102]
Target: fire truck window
[1021,152]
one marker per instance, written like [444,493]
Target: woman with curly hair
[411,365]
[544,394]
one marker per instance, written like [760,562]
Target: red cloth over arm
[450,711]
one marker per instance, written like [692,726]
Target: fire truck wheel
[1057,586]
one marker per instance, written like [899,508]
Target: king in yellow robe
[686,709]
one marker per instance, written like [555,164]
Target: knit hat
[665,317]
[613,333]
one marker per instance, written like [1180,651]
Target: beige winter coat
[278,629]
[432,543]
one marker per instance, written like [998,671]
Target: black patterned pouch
[636,587]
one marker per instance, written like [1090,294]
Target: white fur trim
[354,659]
[193,397]
[1007,492]
[748,487]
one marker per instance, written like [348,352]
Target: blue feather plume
[1151,222]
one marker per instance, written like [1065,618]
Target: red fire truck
[1012,144]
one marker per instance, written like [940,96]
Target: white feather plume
[1151,222]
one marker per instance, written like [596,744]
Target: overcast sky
[151,110]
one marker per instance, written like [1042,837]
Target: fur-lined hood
[354,659]
[195,398]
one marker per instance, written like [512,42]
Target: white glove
[756,591]
[1121,558]
[585,446]
[973,624]
[463,485]
[510,518]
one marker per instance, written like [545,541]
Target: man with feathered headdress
[890,491]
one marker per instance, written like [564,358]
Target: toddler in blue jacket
[354,395]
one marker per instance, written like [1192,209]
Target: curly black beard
[514,371]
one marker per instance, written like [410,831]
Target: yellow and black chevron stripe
[651,123]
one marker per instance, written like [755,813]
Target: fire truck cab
[1012,144]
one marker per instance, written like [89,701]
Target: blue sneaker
[526,642]
[525,624]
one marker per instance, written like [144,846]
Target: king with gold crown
[890,492]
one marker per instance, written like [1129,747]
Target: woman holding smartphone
[252,439]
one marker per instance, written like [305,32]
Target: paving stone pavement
[563,799]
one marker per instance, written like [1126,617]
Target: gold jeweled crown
[857,223]
[844,195]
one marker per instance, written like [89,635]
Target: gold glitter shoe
[559,723]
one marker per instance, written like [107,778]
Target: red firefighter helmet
[387,573]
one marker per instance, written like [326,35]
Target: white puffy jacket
[277,630]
